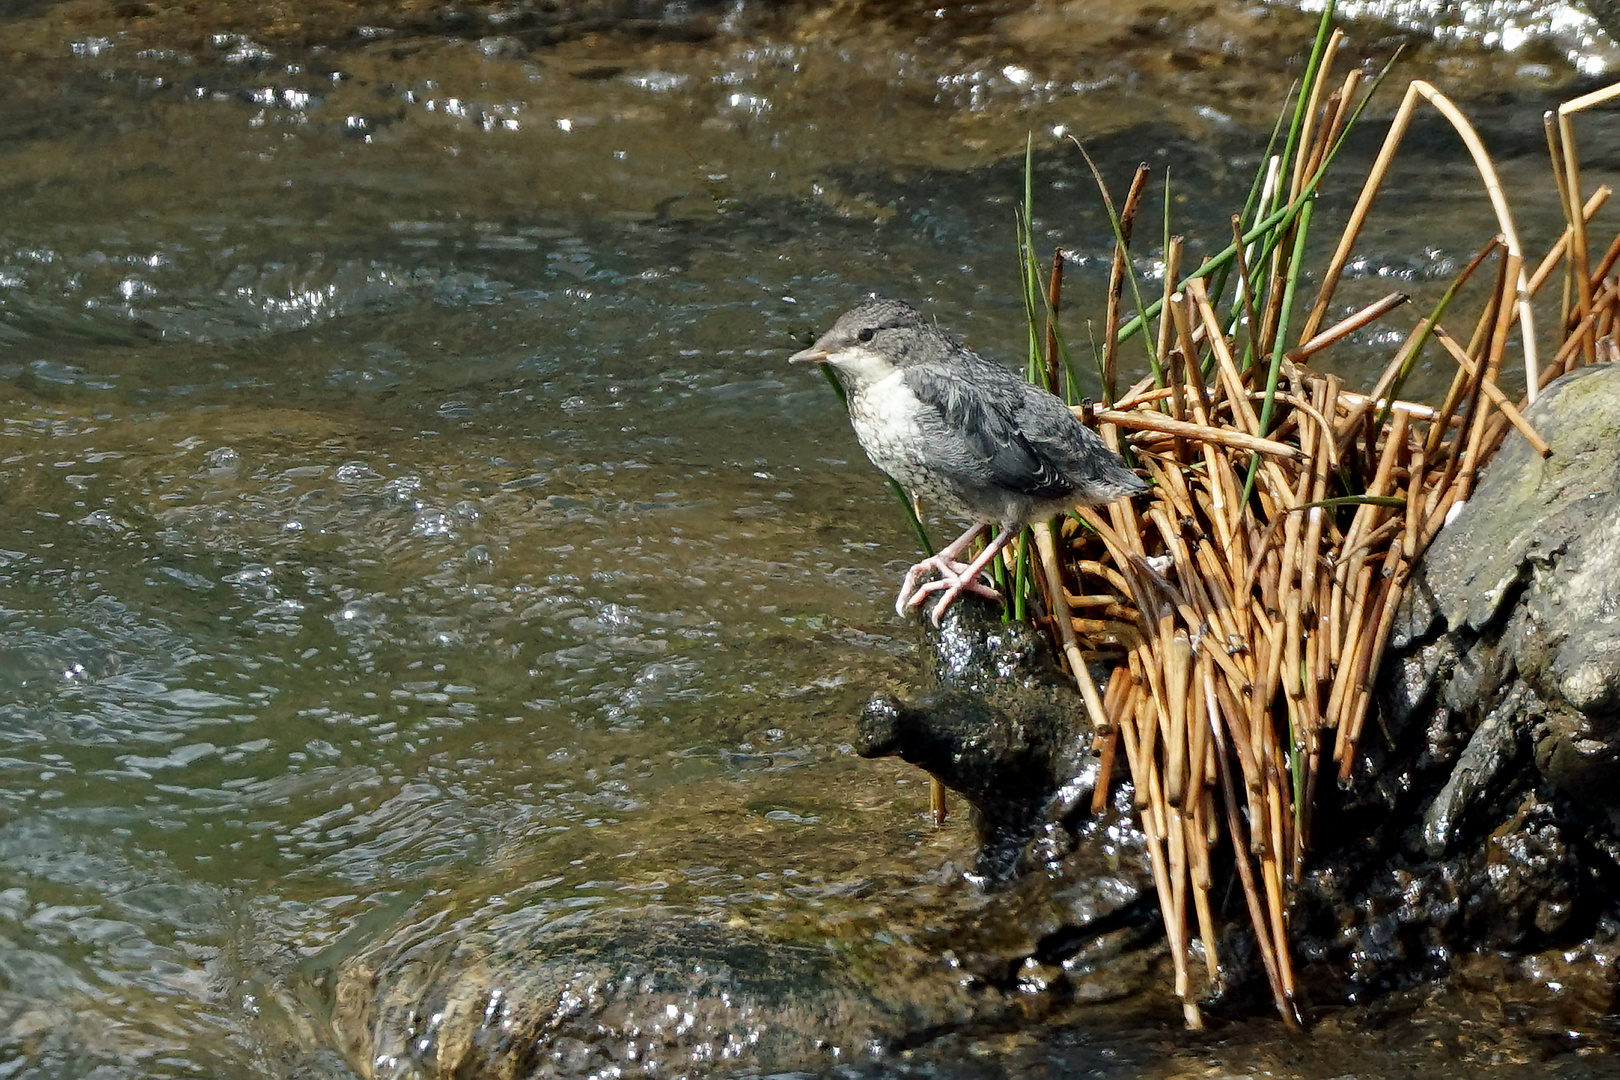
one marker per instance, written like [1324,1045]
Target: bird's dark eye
[866,334]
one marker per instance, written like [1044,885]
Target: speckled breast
[886,422]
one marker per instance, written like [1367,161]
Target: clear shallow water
[398,496]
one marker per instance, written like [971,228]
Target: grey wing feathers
[1012,434]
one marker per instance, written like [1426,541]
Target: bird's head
[869,342]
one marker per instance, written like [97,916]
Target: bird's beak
[813,354]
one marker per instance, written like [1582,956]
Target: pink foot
[962,579]
[953,587]
[913,590]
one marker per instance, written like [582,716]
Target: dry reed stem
[937,808]
[1269,955]
[1609,257]
[1347,326]
[1476,445]
[1054,299]
[1172,271]
[1563,361]
[1366,663]
[1549,126]
[1307,148]
[1440,428]
[1492,391]
[1186,316]
[1243,301]
[1555,255]
[1412,409]
[1116,282]
[1580,272]
[1107,737]
[1139,420]
[1046,549]
[1139,395]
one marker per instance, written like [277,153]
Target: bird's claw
[952,591]
[955,578]
[913,589]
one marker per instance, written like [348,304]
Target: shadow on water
[410,520]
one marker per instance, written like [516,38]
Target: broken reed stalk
[1493,189]
[1252,592]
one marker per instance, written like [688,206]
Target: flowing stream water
[406,505]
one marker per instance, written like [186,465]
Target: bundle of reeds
[1248,599]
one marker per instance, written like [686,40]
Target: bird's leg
[967,580]
[943,563]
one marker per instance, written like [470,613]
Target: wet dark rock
[1488,815]
[1514,604]
[1073,915]
[1483,762]
[999,725]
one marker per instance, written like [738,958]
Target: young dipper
[963,433]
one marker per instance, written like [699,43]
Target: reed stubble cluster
[1246,602]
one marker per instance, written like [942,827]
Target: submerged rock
[673,993]
[621,994]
